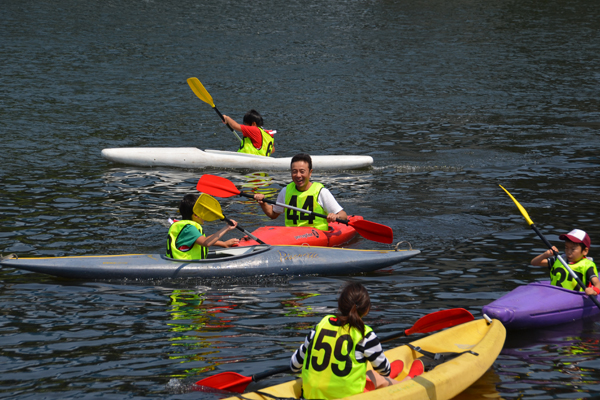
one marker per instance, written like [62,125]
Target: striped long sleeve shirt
[368,349]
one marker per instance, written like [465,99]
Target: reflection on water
[432,168]
[257,181]
[295,307]
[542,358]
[483,388]
[193,316]
[449,98]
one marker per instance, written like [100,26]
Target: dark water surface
[450,98]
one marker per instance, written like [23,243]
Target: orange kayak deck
[337,235]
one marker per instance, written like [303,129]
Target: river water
[451,99]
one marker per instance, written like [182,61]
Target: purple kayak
[540,304]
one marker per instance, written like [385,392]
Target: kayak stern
[540,304]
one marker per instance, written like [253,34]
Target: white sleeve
[328,202]
[280,199]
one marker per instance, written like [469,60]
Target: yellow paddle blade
[208,208]
[199,90]
[523,211]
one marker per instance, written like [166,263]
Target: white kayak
[192,157]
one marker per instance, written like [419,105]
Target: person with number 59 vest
[333,358]
[302,193]
[577,246]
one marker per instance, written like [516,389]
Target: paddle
[209,209]
[203,95]
[435,321]
[221,187]
[531,224]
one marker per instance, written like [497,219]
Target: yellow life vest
[560,276]
[266,149]
[196,252]
[308,201]
[330,369]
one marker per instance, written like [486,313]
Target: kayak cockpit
[230,253]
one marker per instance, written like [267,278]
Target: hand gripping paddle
[547,243]
[209,209]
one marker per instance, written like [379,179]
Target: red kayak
[337,235]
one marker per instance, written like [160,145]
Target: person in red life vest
[256,140]
[577,246]
[303,193]
[333,358]
[186,238]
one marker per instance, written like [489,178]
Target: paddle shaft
[201,92]
[536,230]
[281,370]
[342,221]
[222,187]
[565,264]
[393,336]
[243,230]
[223,119]
[431,322]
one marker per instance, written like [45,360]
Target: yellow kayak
[479,342]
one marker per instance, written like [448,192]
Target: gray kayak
[231,262]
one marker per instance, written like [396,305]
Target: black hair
[353,304]
[186,207]
[253,116]
[583,246]
[302,157]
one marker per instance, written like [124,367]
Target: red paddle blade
[231,381]
[216,186]
[440,319]
[373,231]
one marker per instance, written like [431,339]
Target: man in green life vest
[186,240]
[256,140]
[302,193]
[577,246]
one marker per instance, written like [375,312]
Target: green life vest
[560,276]
[330,369]
[265,150]
[196,252]
[308,201]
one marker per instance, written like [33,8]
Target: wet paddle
[209,209]
[435,321]
[203,95]
[222,187]
[547,243]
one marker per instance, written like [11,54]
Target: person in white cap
[577,246]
